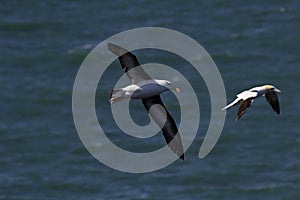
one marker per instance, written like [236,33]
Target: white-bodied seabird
[246,97]
[148,90]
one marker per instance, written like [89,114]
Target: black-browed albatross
[148,90]
[247,97]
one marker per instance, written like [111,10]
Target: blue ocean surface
[43,44]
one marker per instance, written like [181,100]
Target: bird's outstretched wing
[242,97]
[153,104]
[129,63]
[245,104]
[165,121]
[273,101]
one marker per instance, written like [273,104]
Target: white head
[167,84]
[271,88]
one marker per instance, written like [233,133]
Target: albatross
[148,90]
[246,97]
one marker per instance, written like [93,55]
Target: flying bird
[148,90]
[246,97]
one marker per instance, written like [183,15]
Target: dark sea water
[43,44]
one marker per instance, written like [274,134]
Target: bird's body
[140,90]
[148,90]
[246,97]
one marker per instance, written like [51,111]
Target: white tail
[116,95]
[232,103]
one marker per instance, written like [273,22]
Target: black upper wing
[273,101]
[130,63]
[165,121]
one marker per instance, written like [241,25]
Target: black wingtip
[182,157]
[278,109]
[110,93]
[115,49]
